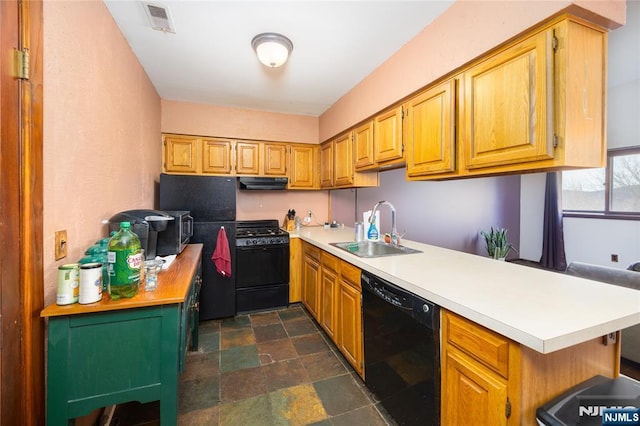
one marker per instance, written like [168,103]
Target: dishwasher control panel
[423,311]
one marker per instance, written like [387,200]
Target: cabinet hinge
[507,408]
[402,114]
[554,42]
[22,63]
[555,140]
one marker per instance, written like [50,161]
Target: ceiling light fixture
[272,49]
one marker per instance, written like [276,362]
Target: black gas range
[262,265]
[260,233]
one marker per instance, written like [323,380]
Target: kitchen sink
[373,249]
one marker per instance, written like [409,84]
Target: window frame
[607,213]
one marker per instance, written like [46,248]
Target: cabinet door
[326,165]
[387,136]
[275,159]
[429,131]
[302,166]
[343,160]
[311,284]
[508,105]
[216,156]
[181,154]
[363,145]
[295,270]
[247,158]
[329,295]
[350,324]
[472,395]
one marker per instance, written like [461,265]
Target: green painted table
[111,352]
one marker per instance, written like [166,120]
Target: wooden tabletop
[173,287]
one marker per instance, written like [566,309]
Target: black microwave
[176,237]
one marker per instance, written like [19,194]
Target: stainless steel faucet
[395,237]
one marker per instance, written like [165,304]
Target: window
[613,191]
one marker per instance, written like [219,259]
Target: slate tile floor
[266,368]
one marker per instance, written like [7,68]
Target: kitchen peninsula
[115,351]
[521,335]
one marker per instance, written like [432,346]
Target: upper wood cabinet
[216,156]
[337,166]
[387,136]
[379,143]
[363,145]
[219,156]
[303,167]
[326,165]
[261,158]
[429,131]
[533,104]
[508,101]
[181,154]
[248,158]
[275,159]
[537,104]
[343,160]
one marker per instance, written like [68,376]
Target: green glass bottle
[124,257]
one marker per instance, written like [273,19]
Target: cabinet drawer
[481,344]
[330,261]
[311,251]
[351,274]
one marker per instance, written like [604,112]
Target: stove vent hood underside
[262,183]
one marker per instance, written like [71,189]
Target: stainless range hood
[262,183]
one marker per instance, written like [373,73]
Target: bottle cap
[125,225]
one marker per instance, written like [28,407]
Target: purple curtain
[553,256]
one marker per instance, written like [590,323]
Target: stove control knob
[425,308]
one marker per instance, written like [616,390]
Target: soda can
[68,282]
[90,283]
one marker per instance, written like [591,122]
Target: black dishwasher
[401,351]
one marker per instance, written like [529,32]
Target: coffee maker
[146,224]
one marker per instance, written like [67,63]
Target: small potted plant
[497,245]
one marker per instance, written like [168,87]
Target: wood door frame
[22,385]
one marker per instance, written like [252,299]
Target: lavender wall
[447,214]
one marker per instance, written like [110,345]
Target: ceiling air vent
[159,17]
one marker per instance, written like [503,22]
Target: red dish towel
[221,257]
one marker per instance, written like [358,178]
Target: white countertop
[543,310]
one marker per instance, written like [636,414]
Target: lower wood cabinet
[469,384]
[488,379]
[311,278]
[476,367]
[295,270]
[331,292]
[349,318]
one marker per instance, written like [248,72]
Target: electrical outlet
[60,249]
[307,219]
[614,257]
